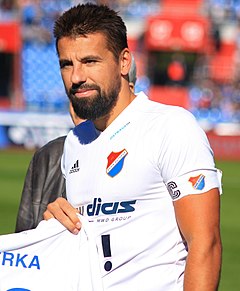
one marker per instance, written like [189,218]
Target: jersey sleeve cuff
[195,182]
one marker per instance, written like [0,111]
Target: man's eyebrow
[63,62]
[90,57]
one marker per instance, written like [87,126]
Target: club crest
[115,162]
[198,182]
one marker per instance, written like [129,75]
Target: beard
[99,105]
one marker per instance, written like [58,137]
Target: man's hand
[65,213]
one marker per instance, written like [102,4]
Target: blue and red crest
[198,182]
[115,162]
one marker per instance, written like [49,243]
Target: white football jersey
[125,180]
[49,258]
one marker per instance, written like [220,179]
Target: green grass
[13,166]
[230,226]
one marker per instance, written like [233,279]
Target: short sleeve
[186,160]
[195,182]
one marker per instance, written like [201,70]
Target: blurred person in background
[149,179]
[44,181]
[8,10]
[31,16]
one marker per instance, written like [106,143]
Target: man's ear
[125,60]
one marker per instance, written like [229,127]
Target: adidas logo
[75,168]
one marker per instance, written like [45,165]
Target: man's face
[91,75]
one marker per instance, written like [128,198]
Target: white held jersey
[125,181]
[49,258]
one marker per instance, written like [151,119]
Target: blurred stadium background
[187,54]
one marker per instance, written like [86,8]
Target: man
[44,181]
[148,182]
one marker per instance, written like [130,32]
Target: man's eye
[64,64]
[90,61]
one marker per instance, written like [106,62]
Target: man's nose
[78,74]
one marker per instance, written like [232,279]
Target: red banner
[176,5]
[177,32]
[225,147]
[10,38]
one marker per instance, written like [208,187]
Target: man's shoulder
[166,112]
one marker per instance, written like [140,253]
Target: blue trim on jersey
[86,132]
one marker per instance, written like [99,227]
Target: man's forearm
[203,268]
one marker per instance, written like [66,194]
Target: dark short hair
[85,19]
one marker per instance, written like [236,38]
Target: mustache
[74,89]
